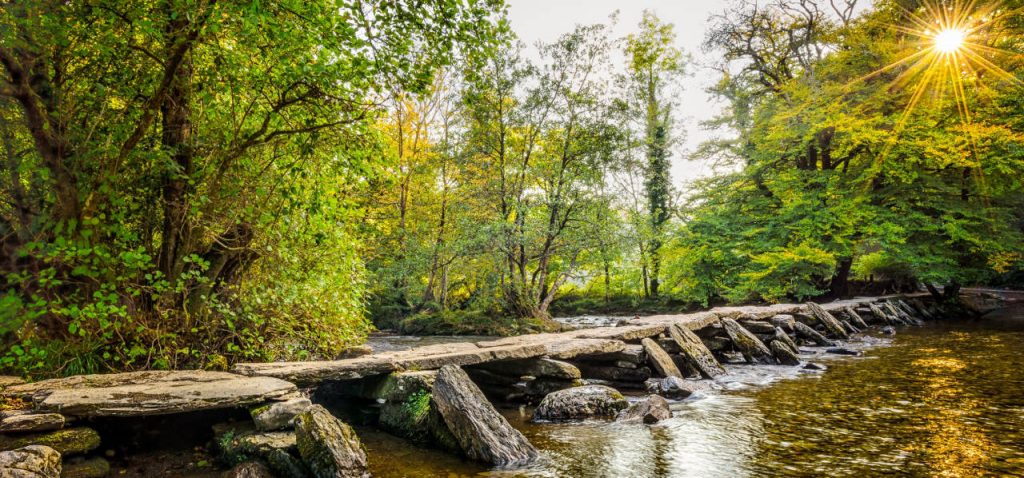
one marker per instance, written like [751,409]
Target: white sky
[545,20]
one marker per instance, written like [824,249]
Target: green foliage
[178,177]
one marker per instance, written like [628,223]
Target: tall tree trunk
[840,285]
[177,141]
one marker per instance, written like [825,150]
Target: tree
[161,153]
[655,65]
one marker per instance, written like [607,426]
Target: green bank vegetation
[189,183]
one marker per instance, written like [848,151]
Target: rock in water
[278,416]
[660,359]
[695,352]
[805,332]
[33,461]
[30,422]
[882,315]
[581,402]
[832,325]
[673,387]
[652,409]
[480,430]
[753,350]
[329,447]
[537,367]
[781,336]
[855,318]
[783,354]
[889,330]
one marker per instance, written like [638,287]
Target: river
[945,399]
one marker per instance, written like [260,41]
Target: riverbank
[631,357]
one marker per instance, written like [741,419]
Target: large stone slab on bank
[149,393]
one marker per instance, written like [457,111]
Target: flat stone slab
[149,393]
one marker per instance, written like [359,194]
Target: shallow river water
[946,399]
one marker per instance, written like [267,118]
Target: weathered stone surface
[629,332]
[889,330]
[783,337]
[652,409]
[480,430]
[854,317]
[31,422]
[536,367]
[753,350]
[8,380]
[784,321]
[805,332]
[149,393]
[570,349]
[659,359]
[881,315]
[758,326]
[616,374]
[329,447]
[249,469]
[33,461]
[850,329]
[672,387]
[279,415]
[630,353]
[581,402]
[697,355]
[71,441]
[96,467]
[783,353]
[240,442]
[311,373]
[832,325]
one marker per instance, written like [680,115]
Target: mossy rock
[418,420]
[240,443]
[97,467]
[71,441]
[329,447]
[286,465]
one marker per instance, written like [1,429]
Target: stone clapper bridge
[440,395]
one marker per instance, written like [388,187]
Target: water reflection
[942,400]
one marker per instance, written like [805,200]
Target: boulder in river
[581,402]
[843,351]
[660,359]
[753,350]
[279,415]
[672,387]
[22,422]
[651,409]
[783,354]
[33,461]
[70,441]
[805,332]
[409,411]
[329,447]
[831,323]
[698,356]
[480,430]
[889,330]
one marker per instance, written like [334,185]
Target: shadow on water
[946,399]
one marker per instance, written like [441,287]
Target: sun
[949,40]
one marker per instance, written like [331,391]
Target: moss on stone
[70,441]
